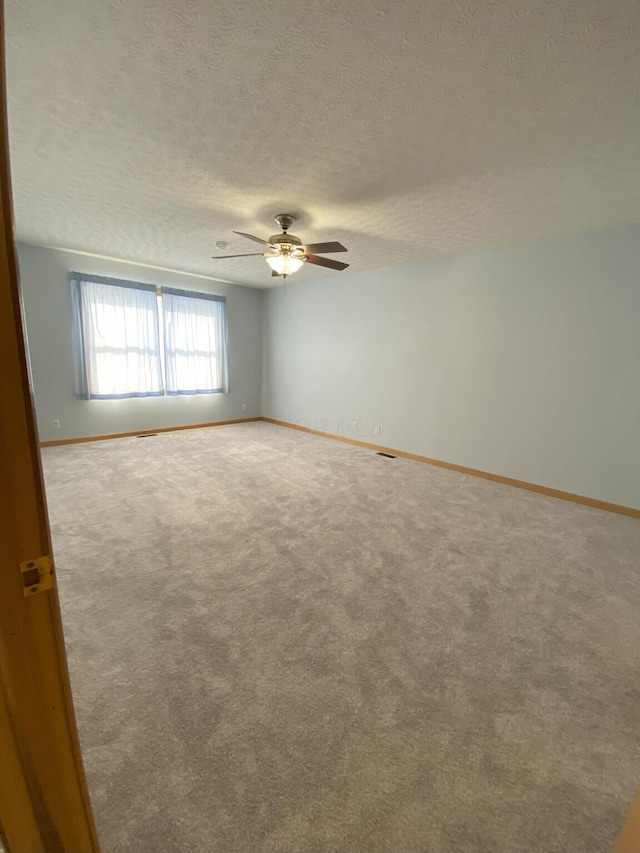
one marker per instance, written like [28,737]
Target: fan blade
[326,262]
[273,272]
[325,248]
[251,237]
[250,255]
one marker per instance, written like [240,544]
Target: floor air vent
[386,455]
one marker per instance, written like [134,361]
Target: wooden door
[629,839]
[44,803]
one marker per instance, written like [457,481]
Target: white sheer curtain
[195,342]
[119,338]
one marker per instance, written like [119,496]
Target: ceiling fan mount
[285,220]
[284,240]
[285,253]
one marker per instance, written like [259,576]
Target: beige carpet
[283,643]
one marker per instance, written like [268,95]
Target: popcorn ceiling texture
[403,128]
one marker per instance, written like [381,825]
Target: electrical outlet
[56,423]
[244,407]
[354,426]
[377,430]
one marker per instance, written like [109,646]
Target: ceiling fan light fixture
[284,264]
[286,253]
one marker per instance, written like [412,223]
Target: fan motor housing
[285,240]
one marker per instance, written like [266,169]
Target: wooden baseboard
[450,466]
[143,432]
[473,472]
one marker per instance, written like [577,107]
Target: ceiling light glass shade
[284,264]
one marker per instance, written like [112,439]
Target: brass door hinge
[37,575]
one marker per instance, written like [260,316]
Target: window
[195,342]
[135,341]
[119,340]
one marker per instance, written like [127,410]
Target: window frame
[79,344]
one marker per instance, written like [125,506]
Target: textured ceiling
[403,128]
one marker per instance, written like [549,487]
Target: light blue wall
[521,361]
[44,278]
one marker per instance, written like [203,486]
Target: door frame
[44,800]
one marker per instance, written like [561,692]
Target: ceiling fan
[286,253]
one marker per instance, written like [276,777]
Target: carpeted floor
[283,643]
